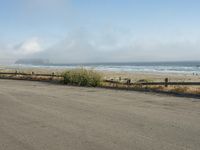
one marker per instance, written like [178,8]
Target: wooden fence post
[166,82]
[52,75]
[128,81]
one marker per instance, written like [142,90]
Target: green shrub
[82,77]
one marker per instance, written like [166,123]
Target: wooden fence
[166,83]
[128,81]
[30,74]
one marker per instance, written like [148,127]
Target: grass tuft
[82,77]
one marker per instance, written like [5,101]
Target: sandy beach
[152,76]
[35,116]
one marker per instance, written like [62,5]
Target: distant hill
[32,61]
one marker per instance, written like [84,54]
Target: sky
[80,31]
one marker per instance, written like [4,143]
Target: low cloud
[115,46]
[82,46]
[10,52]
[28,47]
[6,53]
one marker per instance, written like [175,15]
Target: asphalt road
[42,116]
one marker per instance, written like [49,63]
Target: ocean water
[148,67]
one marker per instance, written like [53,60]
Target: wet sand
[43,116]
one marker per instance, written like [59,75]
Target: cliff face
[32,61]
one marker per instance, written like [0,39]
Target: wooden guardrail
[128,81]
[166,83]
[30,74]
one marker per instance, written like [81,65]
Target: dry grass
[171,89]
[180,89]
[177,89]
